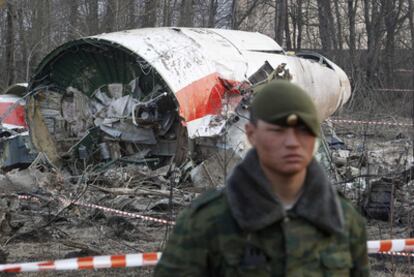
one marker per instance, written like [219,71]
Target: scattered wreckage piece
[16,150]
[63,206]
[389,193]
[377,176]
[379,199]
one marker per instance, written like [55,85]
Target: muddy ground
[47,227]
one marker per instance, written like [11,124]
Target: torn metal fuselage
[15,147]
[152,95]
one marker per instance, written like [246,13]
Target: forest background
[372,40]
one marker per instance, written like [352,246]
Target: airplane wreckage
[15,147]
[158,95]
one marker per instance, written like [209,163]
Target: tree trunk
[280,20]
[326,25]
[296,16]
[287,28]
[240,17]
[411,24]
[23,49]
[10,44]
[212,13]
[47,33]
[186,13]
[234,15]
[92,17]
[73,19]
[374,13]
[391,22]
[108,21]
[150,13]
[131,20]
[299,14]
[352,7]
[338,25]
[166,19]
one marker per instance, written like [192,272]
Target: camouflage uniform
[243,230]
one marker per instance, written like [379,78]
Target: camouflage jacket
[243,230]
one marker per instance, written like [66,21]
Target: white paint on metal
[12,126]
[207,126]
[184,55]
[10,99]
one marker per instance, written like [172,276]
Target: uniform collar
[254,205]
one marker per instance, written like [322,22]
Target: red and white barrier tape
[106,209]
[396,245]
[394,89]
[374,246]
[123,213]
[370,122]
[115,261]
[385,247]
[402,254]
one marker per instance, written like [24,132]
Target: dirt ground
[47,228]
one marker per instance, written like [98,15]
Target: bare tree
[186,13]
[212,10]
[287,28]
[10,43]
[374,13]
[352,9]
[150,13]
[22,38]
[280,19]
[238,16]
[392,19]
[73,18]
[338,25]
[234,14]
[108,21]
[131,17]
[223,14]
[92,7]
[326,25]
[296,16]
[411,25]
[92,16]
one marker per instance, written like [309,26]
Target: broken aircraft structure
[150,96]
[15,147]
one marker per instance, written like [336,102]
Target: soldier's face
[283,150]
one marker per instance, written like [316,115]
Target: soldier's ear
[250,129]
[316,146]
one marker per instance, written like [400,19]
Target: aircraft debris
[151,96]
[378,177]
[16,150]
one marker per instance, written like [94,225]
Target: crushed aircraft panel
[144,93]
[15,147]
[12,112]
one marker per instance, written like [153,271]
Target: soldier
[278,214]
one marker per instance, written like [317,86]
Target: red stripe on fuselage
[202,97]
[15,117]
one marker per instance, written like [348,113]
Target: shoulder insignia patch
[206,198]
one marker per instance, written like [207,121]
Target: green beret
[284,103]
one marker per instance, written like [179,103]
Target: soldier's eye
[303,129]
